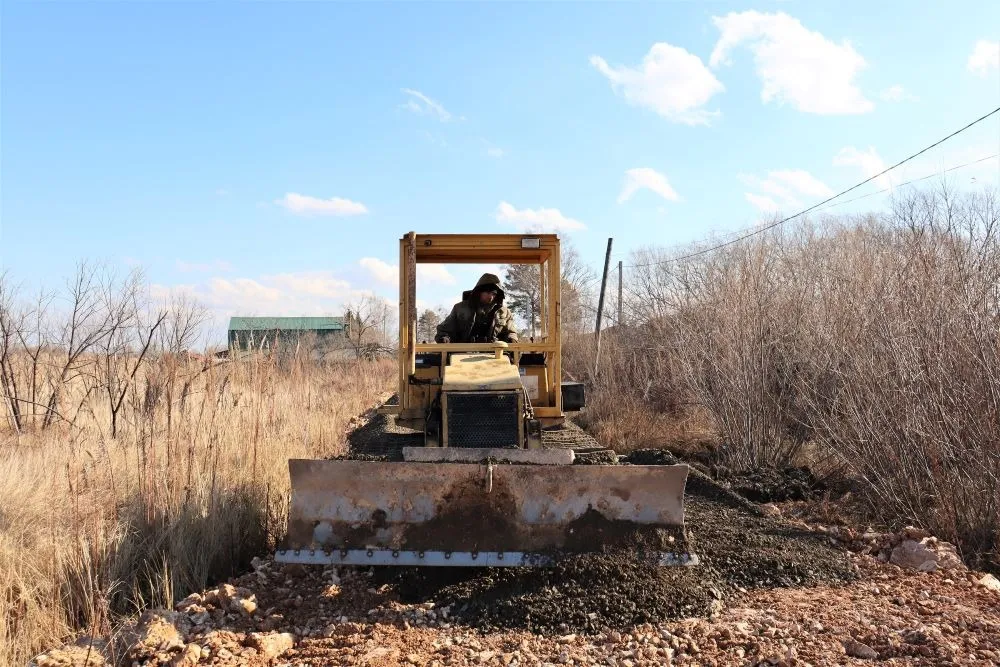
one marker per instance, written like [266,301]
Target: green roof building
[268,332]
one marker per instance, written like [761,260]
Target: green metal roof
[286,323]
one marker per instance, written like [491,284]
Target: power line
[817,205]
[915,180]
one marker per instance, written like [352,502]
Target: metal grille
[483,419]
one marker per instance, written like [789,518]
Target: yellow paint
[475,372]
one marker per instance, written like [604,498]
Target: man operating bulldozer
[480,317]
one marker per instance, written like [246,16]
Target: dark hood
[486,280]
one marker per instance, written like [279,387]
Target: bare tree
[34,341]
[183,325]
[85,326]
[577,290]
[368,320]
[11,330]
[129,336]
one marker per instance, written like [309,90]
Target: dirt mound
[773,485]
[596,457]
[739,548]
[586,594]
[381,438]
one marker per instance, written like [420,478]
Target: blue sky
[266,157]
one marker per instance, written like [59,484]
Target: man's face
[486,298]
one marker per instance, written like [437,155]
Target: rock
[927,555]
[271,645]
[856,649]
[220,596]
[199,618]
[246,605]
[86,652]
[990,583]
[913,533]
[189,657]
[189,601]
[382,652]
[567,639]
[770,509]
[159,631]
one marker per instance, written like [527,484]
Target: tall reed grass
[191,488]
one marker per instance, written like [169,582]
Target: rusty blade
[473,507]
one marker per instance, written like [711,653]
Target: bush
[873,342]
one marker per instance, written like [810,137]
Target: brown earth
[320,617]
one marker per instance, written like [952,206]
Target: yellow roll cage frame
[540,249]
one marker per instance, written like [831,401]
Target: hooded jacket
[495,322]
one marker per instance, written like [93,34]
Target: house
[265,333]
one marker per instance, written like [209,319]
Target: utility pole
[600,308]
[621,320]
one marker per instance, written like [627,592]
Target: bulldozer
[490,482]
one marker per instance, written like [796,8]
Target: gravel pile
[739,546]
[341,616]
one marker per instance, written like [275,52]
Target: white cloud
[306,205]
[649,179]
[284,294]
[897,93]
[493,151]
[388,274]
[984,57]
[784,188]
[381,271]
[222,192]
[240,293]
[537,220]
[868,162]
[761,202]
[424,105]
[435,273]
[311,283]
[219,265]
[796,65]
[801,181]
[671,81]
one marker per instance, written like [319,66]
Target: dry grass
[634,403]
[93,527]
[872,343]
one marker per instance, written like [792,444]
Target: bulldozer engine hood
[485,281]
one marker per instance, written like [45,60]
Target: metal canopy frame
[481,249]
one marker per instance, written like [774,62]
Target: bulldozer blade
[380,513]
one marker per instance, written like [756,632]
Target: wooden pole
[621,320]
[600,307]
